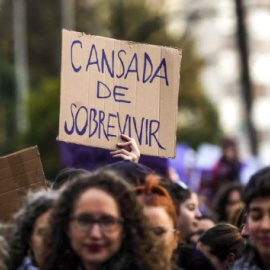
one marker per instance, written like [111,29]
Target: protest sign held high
[111,87]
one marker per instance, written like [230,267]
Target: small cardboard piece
[110,87]
[20,172]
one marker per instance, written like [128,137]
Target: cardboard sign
[19,172]
[111,87]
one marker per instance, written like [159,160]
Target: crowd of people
[125,216]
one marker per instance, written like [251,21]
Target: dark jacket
[191,258]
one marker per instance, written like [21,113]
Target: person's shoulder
[245,263]
[27,265]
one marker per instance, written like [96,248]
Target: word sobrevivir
[145,71]
[97,122]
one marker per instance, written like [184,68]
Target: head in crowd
[257,199]
[98,223]
[65,176]
[187,207]
[239,219]
[160,210]
[227,169]
[235,215]
[230,151]
[227,200]
[31,223]
[134,173]
[221,244]
[205,223]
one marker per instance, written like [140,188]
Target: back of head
[65,176]
[134,173]
[258,186]
[223,239]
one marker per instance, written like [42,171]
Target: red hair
[153,194]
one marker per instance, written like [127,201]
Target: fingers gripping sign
[128,150]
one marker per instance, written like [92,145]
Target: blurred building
[212,24]
[259,43]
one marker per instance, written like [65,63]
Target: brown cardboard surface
[20,172]
[109,87]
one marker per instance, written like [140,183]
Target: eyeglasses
[107,224]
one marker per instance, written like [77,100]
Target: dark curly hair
[38,203]
[221,200]
[139,248]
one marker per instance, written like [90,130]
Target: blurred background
[224,89]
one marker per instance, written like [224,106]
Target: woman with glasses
[160,210]
[97,224]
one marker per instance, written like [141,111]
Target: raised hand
[128,150]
